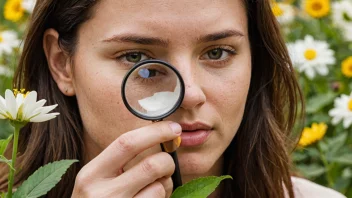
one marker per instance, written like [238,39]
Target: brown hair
[257,158]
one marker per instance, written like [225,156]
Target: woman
[239,107]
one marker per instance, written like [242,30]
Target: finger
[130,144]
[147,171]
[168,185]
[155,190]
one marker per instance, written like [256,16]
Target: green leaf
[4,160]
[3,144]
[299,156]
[316,103]
[43,180]
[199,188]
[343,159]
[311,170]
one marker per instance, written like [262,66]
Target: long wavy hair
[257,158]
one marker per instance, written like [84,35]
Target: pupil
[152,73]
[215,54]
[135,57]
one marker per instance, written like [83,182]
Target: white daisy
[8,41]
[311,56]
[342,16]
[283,12]
[4,71]
[342,110]
[20,107]
[28,5]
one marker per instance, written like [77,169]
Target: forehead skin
[179,21]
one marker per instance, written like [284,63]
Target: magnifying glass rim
[153,118]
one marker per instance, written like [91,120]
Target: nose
[194,94]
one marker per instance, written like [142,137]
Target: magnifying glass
[152,90]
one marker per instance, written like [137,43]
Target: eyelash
[230,50]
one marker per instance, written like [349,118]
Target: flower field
[319,38]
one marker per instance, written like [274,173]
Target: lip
[194,134]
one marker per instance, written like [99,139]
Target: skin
[216,90]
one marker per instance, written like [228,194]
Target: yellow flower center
[277,10]
[21,91]
[317,8]
[13,10]
[350,105]
[310,54]
[1,39]
[346,67]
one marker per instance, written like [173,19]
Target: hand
[104,175]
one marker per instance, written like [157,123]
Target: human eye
[131,57]
[219,55]
[150,74]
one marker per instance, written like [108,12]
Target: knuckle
[158,190]
[82,183]
[82,179]
[169,185]
[151,167]
[125,143]
[168,162]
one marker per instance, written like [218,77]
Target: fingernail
[176,128]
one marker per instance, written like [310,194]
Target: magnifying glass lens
[152,89]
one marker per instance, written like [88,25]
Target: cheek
[229,93]
[98,92]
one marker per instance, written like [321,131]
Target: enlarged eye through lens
[147,73]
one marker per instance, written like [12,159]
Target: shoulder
[306,189]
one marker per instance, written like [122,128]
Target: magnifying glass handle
[176,176]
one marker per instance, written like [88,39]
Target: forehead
[170,17]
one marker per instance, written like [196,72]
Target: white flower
[8,41]
[28,5]
[21,107]
[342,17]
[4,71]
[342,110]
[311,56]
[284,13]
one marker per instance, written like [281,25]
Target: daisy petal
[33,109]
[3,108]
[11,103]
[47,109]
[29,103]
[44,117]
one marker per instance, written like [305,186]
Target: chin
[195,165]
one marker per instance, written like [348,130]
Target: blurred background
[318,34]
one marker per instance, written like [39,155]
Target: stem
[13,160]
[327,167]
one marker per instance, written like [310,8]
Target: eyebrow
[220,35]
[143,40]
[131,38]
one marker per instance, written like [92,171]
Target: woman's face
[207,41]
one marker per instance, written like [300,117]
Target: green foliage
[4,143]
[43,180]
[199,188]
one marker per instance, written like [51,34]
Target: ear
[59,62]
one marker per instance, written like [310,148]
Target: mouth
[194,134]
